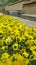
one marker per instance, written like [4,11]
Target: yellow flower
[12,32]
[34,58]
[33,49]
[20,60]
[27,29]
[8,40]
[18,39]
[22,51]
[4,57]
[35,41]
[18,56]
[30,37]
[8,61]
[1,63]
[23,37]
[15,46]
[34,53]
[25,54]
[3,48]
[25,34]
[16,32]
[29,42]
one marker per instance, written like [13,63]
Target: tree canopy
[8,1]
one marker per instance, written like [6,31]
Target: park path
[28,22]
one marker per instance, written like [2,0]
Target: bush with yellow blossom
[17,42]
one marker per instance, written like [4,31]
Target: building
[29,7]
[16,6]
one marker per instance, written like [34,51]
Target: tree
[8,1]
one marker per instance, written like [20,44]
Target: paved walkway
[28,15]
[28,22]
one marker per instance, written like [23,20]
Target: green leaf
[33,62]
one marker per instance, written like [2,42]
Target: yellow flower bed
[17,42]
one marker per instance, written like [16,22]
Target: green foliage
[11,1]
[8,1]
[33,62]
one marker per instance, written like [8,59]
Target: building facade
[29,8]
